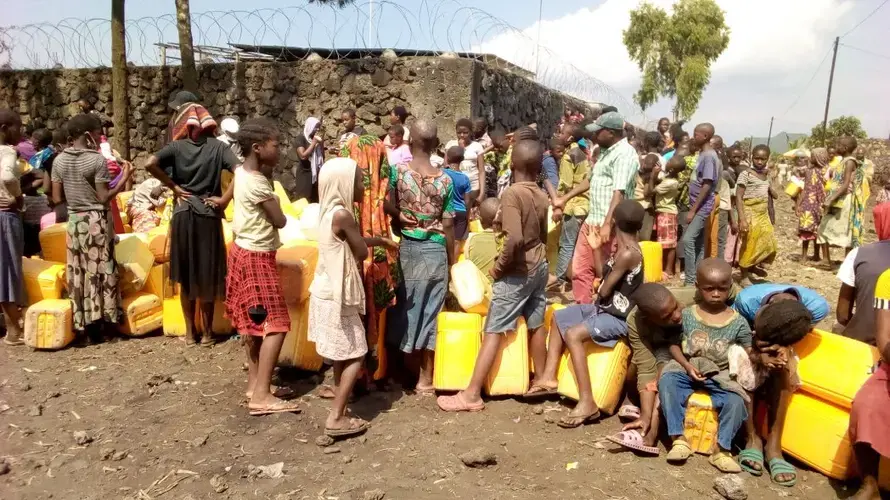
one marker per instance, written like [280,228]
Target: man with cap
[179,100]
[614,177]
[751,299]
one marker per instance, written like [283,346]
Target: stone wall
[440,88]
[512,101]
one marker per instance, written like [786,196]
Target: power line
[807,86]
[875,54]
[866,18]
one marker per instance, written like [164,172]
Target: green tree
[675,51]
[839,127]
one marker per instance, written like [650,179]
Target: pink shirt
[399,155]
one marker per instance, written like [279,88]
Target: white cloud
[779,40]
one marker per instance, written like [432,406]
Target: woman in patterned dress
[80,177]
[381,267]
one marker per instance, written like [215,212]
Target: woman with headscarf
[310,150]
[337,300]
[370,156]
[191,166]
[809,201]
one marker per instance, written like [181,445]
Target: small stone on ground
[478,458]
[731,487]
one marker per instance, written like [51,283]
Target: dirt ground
[166,421]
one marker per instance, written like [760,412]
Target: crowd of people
[394,215]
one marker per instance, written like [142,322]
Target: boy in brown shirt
[520,273]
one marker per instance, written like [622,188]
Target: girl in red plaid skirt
[254,298]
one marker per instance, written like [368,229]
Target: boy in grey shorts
[520,273]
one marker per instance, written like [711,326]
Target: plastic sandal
[456,403]
[352,430]
[680,452]
[751,455]
[276,407]
[538,392]
[633,440]
[724,462]
[629,412]
[781,466]
[573,422]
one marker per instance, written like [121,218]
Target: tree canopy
[675,51]
[838,127]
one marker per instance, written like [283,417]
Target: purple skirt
[12,247]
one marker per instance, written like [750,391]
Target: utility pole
[538,42]
[828,97]
[769,136]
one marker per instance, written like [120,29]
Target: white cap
[229,126]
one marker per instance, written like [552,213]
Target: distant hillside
[779,142]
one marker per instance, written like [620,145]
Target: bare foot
[868,491]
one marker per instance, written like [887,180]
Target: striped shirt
[615,170]
[79,170]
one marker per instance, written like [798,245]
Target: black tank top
[619,303]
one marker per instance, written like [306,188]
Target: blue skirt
[411,322]
[12,247]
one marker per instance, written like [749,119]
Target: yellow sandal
[724,462]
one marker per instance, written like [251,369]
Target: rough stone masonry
[440,88]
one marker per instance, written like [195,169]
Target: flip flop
[781,466]
[283,392]
[634,440]
[538,392]
[680,452]
[431,391]
[751,455]
[573,422]
[629,412]
[352,430]
[457,403]
[276,407]
[724,462]
[13,342]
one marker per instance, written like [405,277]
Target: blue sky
[776,63]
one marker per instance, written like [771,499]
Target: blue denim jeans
[694,244]
[674,390]
[571,226]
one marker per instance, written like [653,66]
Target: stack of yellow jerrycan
[458,340]
[143,314]
[49,325]
[43,279]
[471,288]
[509,374]
[607,367]
[832,369]
[700,424]
[652,261]
[298,351]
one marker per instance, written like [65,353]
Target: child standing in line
[736,158]
[482,248]
[603,321]
[702,190]
[337,302]
[12,236]
[642,195]
[520,273]
[666,191]
[701,361]
[573,203]
[254,297]
[809,202]
[753,192]
[463,201]
[473,163]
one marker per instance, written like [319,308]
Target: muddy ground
[165,421]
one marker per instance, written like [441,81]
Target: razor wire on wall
[427,25]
